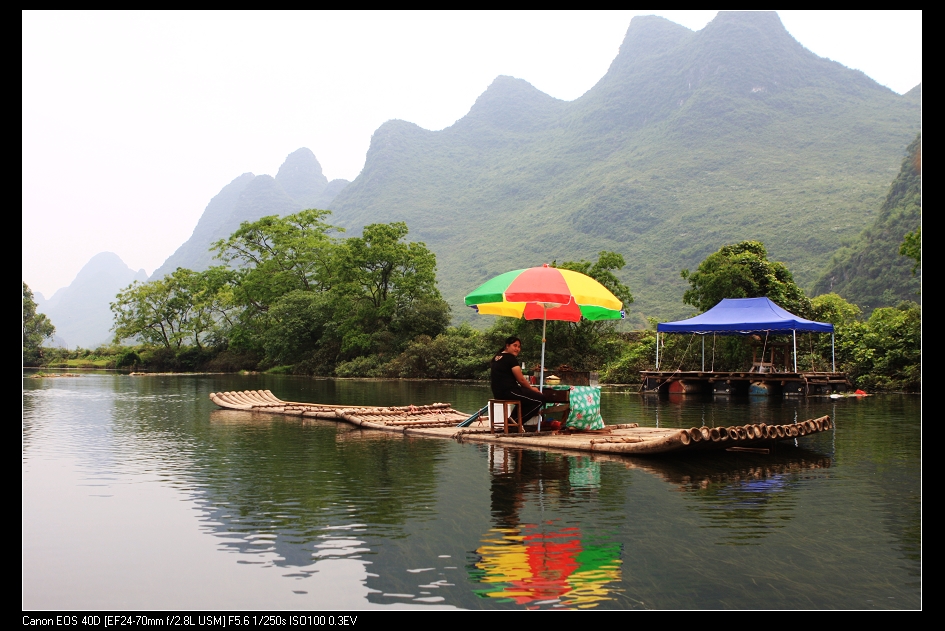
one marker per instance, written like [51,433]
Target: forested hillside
[692,140]
[871,272]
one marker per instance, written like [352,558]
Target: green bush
[127,359]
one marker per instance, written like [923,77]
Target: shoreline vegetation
[295,298]
[880,354]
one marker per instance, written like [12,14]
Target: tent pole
[657,351]
[794,332]
[703,352]
[833,357]
[713,353]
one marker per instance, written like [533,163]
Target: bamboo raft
[440,420]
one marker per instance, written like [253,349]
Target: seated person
[509,384]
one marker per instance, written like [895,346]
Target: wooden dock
[804,384]
[439,420]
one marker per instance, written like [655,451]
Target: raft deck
[440,420]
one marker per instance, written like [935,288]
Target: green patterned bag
[585,408]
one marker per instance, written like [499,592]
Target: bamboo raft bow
[441,421]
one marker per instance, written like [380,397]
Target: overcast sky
[132,121]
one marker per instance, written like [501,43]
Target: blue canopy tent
[743,316]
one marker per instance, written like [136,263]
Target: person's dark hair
[509,340]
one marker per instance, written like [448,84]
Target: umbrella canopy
[545,293]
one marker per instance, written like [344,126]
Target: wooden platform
[743,383]
[440,420]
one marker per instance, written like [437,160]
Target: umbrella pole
[544,322]
[541,382]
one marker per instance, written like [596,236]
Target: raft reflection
[747,497]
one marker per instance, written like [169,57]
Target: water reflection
[292,485]
[546,563]
[308,513]
[746,499]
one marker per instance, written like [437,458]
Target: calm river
[138,493]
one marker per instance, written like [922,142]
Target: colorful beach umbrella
[545,293]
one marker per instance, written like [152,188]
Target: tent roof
[744,315]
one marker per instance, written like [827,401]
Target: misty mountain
[691,140]
[299,184]
[80,312]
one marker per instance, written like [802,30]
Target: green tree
[882,353]
[849,330]
[183,308]
[912,247]
[588,345]
[743,270]
[276,255]
[455,354]
[892,348]
[836,310]
[299,330]
[386,294]
[36,329]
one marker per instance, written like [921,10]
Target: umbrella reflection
[537,565]
[542,564]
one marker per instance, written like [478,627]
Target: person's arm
[519,377]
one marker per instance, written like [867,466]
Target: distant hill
[299,184]
[871,272]
[692,140]
[80,312]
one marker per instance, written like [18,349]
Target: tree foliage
[743,270]
[912,248]
[276,255]
[182,308]
[36,329]
[388,291]
[883,352]
[294,294]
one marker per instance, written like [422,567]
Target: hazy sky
[132,121]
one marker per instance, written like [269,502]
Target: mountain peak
[103,262]
[80,311]
[764,20]
[649,35]
[511,104]
[301,177]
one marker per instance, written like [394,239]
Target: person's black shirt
[503,381]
